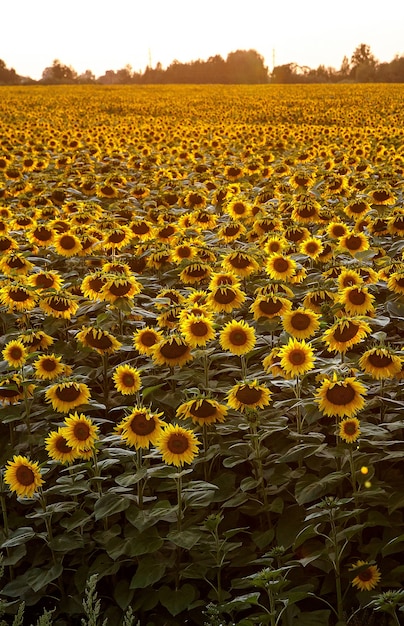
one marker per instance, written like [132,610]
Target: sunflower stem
[337,567]
[139,462]
[105,381]
[243,367]
[259,470]
[382,405]
[205,449]
[6,528]
[179,502]
[205,369]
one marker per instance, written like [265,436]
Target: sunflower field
[202,365]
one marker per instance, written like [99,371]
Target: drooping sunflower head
[202,411]
[171,351]
[270,306]
[99,340]
[346,333]
[60,304]
[45,280]
[116,287]
[356,300]
[68,395]
[17,297]
[380,363]
[195,273]
[177,445]
[343,398]
[242,264]
[248,395]
[23,476]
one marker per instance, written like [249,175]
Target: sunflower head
[367,576]
[237,337]
[177,445]
[23,476]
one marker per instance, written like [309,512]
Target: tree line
[240,67]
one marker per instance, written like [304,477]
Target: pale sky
[105,35]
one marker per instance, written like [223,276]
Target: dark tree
[59,73]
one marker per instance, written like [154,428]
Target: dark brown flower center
[270,307]
[240,261]
[238,337]
[297,356]
[43,234]
[350,428]
[204,410]
[67,242]
[199,329]
[248,395]
[196,271]
[280,265]
[58,304]
[96,284]
[142,426]
[70,393]
[300,321]
[43,281]
[62,446]
[5,243]
[48,364]
[95,340]
[173,350]
[148,338]
[353,242]
[224,295]
[340,394]
[380,360]
[177,443]
[346,333]
[15,353]
[25,475]
[81,431]
[381,195]
[230,231]
[357,297]
[366,575]
[119,290]
[18,295]
[128,380]
[141,228]
[338,231]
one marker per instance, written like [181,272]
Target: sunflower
[356,300]
[380,363]
[36,340]
[60,304]
[120,287]
[348,278]
[272,364]
[202,411]
[367,577]
[167,297]
[145,339]
[248,395]
[270,306]
[67,244]
[142,229]
[275,245]
[58,449]
[296,357]
[15,353]
[45,280]
[395,282]
[197,329]
[41,236]
[15,263]
[49,367]
[311,247]
[349,429]
[382,195]
[117,238]
[99,340]
[17,297]
[141,428]
[93,284]
[67,395]
[225,298]
[240,263]
[237,337]
[23,476]
[233,172]
[300,323]
[7,244]
[343,398]
[194,200]
[126,379]
[195,273]
[183,252]
[345,333]
[353,242]
[238,210]
[231,231]
[357,209]
[316,300]
[173,350]
[80,432]
[280,267]
[177,445]
[336,229]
